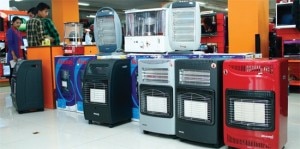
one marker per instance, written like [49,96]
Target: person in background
[31,12]
[15,44]
[51,31]
[208,26]
[35,27]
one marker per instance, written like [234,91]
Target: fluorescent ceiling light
[91,16]
[18,0]
[201,3]
[83,4]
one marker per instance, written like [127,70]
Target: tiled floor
[54,129]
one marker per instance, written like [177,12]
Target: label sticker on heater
[64,84]
[249,112]
[195,109]
[97,95]
[157,104]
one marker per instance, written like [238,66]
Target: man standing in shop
[31,12]
[35,27]
[51,31]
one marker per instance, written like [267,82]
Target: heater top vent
[254,68]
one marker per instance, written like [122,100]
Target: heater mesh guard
[106,34]
[194,77]
[251,110]
[156,100]
[155,75]
[99,89]
[183,25]
[195,105]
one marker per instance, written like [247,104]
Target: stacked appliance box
[68,75]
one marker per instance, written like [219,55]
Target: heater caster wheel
[90,122]
[110,126]
[145,132]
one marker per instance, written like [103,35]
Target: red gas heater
[255,103]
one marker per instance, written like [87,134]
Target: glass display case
[146,22]
[147,31]
[73,39]
[73,33]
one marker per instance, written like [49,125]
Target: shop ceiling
[121,5]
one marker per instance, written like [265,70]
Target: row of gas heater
[242,103]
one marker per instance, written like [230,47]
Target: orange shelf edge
[295,83]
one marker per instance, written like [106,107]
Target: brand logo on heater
[265,136]
[125,66]
[97,114]
[181,131]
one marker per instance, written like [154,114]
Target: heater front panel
[96,92]
[250,110]
[156,100]
[195,105]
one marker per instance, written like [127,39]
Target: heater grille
[252,110]
[96,91]
[106,31]
[254,68]
[155,75]
[183,25]
[248,143]
[156,101]
[195,106]
[194,77]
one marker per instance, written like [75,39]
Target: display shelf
[294,83]
[294,72]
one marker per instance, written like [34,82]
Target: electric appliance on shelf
[147,30]
[107,31]
[73,39]
[27,86]
[156,85]
[107,92]
[255,103]
[185,26]
[199,100]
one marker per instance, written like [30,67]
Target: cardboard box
[69,72]
[228,55]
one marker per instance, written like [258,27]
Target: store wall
[64,11]
[247,18]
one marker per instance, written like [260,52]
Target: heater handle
[105,8]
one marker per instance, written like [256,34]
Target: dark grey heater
[107,91]
[199,101]
[27,86]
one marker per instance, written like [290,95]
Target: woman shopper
[15,44]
